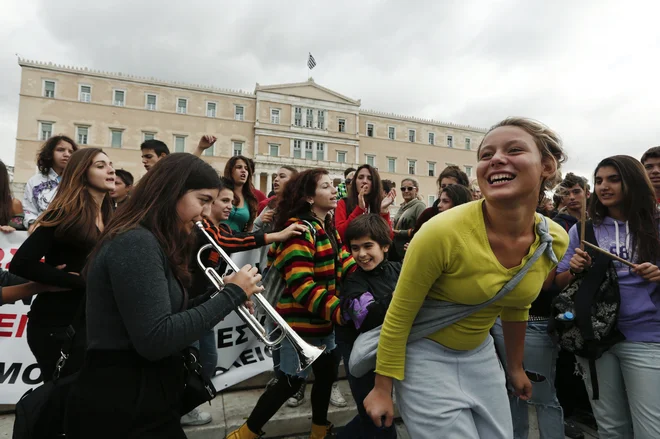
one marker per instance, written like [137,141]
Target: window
[151,102]
[468,143]
[411,167]
[342,125]
[116,138]
[468,171]
[239,111]
[309,149]
[118,98]
[370,130]
[431,169]
[82,135]
[320,151]
[45,130]
[411,136]
[210,151]
[297,116]
[49,89]
[320,120]
[391,164]
[341,156]
[274,150]
[431,138]
[371,160]
[85,93]
[450,141]
[275,116]
[182,105]
[149,136]
[431,200]
[309,123]
[391,133]
[297,149]
[238,148]
[210,109]
[180,144]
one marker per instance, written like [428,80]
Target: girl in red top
[364,196]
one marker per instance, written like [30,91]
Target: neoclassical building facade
[302,124]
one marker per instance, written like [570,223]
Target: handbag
[40,412]
[594,298]
[197,389]
[438,314]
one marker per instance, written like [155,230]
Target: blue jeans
[629,383]
[540,360]
[361,426]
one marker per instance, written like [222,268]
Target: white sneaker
[336,398]
[196,417]
[298,397]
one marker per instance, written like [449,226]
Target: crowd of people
[117,260]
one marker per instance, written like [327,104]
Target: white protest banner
[240,355]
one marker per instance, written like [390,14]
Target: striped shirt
[313,272]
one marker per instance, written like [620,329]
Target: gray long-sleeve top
[134,300]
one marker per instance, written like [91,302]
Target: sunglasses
[409,188]
[348,181]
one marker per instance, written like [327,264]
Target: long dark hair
[272,203]
[153,203]
[73,210]
[458,194]
[373,198]
[298,190]
[638,203]
[6,206]
[248,195]
[45,155]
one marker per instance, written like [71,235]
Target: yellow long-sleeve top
[450,259]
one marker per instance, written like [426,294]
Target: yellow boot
[321,431]
[243,433]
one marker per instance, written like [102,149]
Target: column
[255,179]
[269,182]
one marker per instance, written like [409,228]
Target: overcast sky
[588,69]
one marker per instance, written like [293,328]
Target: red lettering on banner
[6,324]
[7,321]
[21,326]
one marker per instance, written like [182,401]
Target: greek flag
[311,62]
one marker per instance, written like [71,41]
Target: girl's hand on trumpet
[281,236]
[247,278]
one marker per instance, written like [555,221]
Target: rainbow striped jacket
[313,272]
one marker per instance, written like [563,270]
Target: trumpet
[306,352]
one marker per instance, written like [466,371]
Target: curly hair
[45,154]
[299,189]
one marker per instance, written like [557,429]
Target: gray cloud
[587,70]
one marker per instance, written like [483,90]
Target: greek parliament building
[302,124]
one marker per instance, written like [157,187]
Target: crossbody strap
[545,247]
[70,333]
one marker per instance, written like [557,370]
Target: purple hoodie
[639,318]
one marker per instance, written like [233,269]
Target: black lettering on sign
[224,337]
[11,373]
[242,337]
[259,354]
[247,357]
[27,373]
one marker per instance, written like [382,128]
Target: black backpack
[594,299]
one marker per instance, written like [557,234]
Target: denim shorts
[289,357]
